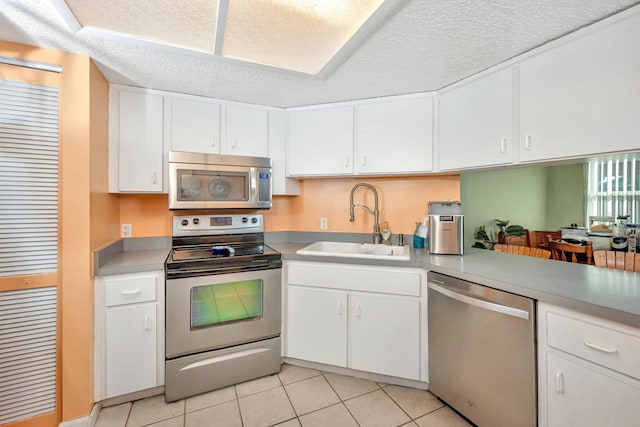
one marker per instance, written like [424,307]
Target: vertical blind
[28,179]
[614,188]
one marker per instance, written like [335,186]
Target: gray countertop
[132,256]
[610,294]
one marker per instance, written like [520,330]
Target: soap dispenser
[418,239]
[385,233]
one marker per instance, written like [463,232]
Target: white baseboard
[86,421]
[359,374]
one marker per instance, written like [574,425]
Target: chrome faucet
[374,212]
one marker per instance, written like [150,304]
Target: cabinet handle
[560,382]
[147,322]
[503,146]
[213,142]
[154,177]
[234,143]
[527,142]
[609,350]
[131,292]
[363,161]
[346,161]
[339,308]
[357,311]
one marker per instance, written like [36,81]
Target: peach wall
[402,202]
[75,266]
[105,207]
[148,214]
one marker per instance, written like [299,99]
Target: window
[613,188]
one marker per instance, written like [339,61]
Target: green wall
[538,198]
[566,196]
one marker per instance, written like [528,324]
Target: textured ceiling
[423,46]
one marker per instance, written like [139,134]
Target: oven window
[202,185]
[213,305]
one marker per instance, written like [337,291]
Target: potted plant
[486,236]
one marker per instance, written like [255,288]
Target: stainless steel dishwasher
[482,355]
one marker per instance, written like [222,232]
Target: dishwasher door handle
[509,311]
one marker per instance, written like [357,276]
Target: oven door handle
[224,358]
[185,272]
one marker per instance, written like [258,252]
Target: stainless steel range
[223,304]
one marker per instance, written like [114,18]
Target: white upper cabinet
[278,154]
[476,123]
[320,141]
[247,131]
[136,156]
[394,135]
[193,124]
[582,96]
[391,135]
[145,124]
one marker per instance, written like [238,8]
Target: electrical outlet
[324,223]
[125,231]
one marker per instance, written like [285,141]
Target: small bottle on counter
[418,240]
[385,233]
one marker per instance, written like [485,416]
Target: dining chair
[540,238]
[627,261]
[522,250]
[569,252]
[508,239]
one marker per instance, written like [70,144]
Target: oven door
[217,311]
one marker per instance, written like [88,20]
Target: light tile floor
[294,397]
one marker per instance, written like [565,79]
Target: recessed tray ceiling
[296,35]
[204,47]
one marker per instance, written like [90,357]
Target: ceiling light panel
[190,24]
[298,35]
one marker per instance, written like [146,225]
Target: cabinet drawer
[401,281]
[119,291]
[613,348]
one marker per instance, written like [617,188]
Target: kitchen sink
[357,250]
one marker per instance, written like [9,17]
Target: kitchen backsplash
[402,202]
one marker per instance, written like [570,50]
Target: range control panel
[191,225]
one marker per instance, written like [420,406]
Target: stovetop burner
[201,246]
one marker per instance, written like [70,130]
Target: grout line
[398,405]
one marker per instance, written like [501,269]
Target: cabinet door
[247,131]
[320,141]
[317,325]
[131,357]
[140,142]
[582,97]
[582,397]
[385,334]
[476,123]
[395,136]
[194,125]
[277,152]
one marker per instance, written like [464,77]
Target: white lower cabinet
[129,336]
[384,334]
[580,395]
[317,320]
[131,344]
[588,370]
[366,318]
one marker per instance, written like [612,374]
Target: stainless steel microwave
[212,181]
